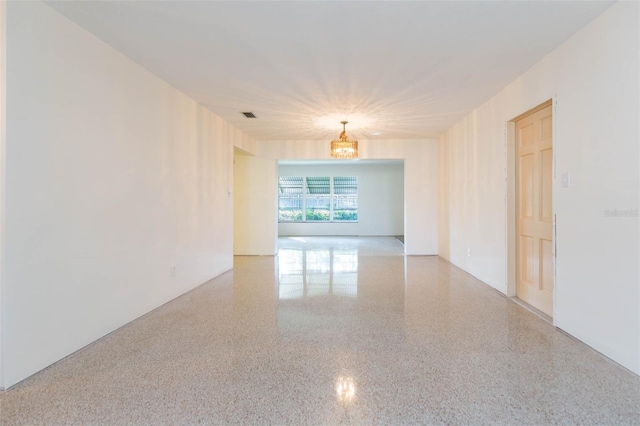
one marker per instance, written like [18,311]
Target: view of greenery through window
[317,199]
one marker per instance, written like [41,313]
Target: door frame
[511,201]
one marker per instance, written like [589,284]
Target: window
[290,199]
[345,198]
[318,199]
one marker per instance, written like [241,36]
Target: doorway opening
[359,198]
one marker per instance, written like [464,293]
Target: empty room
[310,212]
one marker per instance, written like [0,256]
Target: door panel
[546,265]
[546,209]
[526,190]
[545,126]
[527,260]
[534,168]
[526,134]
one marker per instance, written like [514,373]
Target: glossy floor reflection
[334,330]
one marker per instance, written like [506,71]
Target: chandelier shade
[343,147]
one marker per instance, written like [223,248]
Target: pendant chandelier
[343,147]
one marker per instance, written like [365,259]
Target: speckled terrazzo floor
[331,331]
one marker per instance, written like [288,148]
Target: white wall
[420,185]
[113,178]
[380,199]
[3,80]
[255,206]
[593,78]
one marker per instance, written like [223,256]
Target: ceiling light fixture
[343,147]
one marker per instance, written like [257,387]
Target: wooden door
[534,166]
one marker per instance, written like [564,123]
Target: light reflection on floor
[321,266]
[317,272]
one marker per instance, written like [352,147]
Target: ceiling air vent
[249,114]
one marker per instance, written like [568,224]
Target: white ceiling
[401,69]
